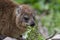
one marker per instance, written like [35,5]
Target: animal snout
[32,24]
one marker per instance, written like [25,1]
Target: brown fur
[9,23]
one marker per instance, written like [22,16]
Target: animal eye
[26,18]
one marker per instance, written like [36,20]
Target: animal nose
[32,24]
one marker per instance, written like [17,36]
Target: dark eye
[26,18]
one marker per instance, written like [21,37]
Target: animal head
[25,16]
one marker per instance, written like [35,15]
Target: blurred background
[48,18]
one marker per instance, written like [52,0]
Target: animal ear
[18,11]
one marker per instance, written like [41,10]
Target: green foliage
[51,21]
